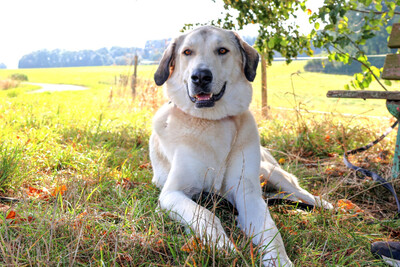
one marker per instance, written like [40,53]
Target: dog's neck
[181,110]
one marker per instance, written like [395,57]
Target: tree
[372,46]
[279,32]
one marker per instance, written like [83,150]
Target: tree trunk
[264,97]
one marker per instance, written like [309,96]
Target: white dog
[206,139]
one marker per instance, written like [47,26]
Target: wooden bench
[391,71]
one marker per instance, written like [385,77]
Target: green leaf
[363,68]
[388,83]
[331,56]
[359,77]
[391,5]
[284,43]
[375,71]
[271,43]
[389,29]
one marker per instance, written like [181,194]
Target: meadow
[75,176]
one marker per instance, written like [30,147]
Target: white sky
[30,25]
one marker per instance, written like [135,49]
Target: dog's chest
[209,139]
[205,143]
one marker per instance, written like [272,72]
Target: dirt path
[49,87]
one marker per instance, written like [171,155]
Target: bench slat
[391,68]
[392,95]
[394,41]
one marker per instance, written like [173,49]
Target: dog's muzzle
[206,100]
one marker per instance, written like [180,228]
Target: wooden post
[264,96]
[134,76]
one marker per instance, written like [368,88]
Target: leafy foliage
[338,67]
[345,40]
[19,77]
[332,30]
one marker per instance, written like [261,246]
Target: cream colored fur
[216,149]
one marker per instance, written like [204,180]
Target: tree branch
[365,65]
[375,12]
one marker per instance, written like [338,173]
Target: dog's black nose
[201,77]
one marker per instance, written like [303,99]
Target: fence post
[134,76]
[264,96]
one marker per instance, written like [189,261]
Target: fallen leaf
[59,190]
[38,193]
[144,166]
[127,184]
[192,244]
[11,215]
[346,206]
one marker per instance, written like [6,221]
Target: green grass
[94,144]
[284,81]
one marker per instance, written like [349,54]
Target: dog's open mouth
[203,100]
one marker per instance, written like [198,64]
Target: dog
[206,140]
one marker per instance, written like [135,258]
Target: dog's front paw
[319,202]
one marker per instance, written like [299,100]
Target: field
[283,82]
[77,165]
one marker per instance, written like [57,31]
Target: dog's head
[208,73]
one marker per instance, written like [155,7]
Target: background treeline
[152,52]
[101,57]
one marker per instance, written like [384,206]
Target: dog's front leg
[254,217]
[187,175]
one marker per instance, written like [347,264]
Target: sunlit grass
[94,143]
[283,82]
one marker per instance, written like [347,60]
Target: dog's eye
[187,52]
[222,51]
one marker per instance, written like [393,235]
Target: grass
[78,164]
[310,88]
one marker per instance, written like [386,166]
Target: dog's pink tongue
[203,97]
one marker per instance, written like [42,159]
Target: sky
[31,25]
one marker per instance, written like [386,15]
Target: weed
[10,157]
[8,84]
[19,77]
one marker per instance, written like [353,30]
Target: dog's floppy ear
[250,58]
[166,65]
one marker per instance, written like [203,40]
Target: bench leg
[396,158]
[394,109]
